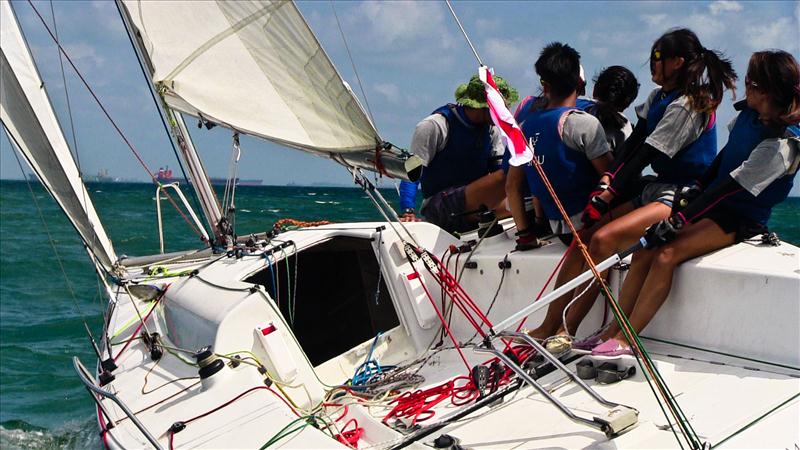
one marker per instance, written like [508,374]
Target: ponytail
[706,79]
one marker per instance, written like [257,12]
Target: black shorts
[730,222]
[566,238]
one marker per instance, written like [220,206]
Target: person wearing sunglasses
[750,175]
[675,135]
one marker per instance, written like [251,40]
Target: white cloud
[507,51]
[390,91]
[782,33]
[600,52]
[83,52]
[705,26]
[653,20]
[395,22]
[720,6]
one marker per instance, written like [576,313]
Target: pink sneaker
[611,347]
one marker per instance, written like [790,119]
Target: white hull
[743,301]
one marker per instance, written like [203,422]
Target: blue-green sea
[42,404]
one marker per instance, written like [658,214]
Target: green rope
[758,419]
[128,324]
[683,423]
[289,288]
[285,431]
[768,363]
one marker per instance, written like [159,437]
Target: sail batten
[28,117]
[255,67]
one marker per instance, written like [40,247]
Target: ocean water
[42,403]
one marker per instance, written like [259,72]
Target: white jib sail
[28,117]
[254,66]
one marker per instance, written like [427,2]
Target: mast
[180,134]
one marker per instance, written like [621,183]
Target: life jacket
[466,156]
[572,175]
[691,161]
[745,136]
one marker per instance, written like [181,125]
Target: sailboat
[377,335]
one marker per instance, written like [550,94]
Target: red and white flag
[509,130]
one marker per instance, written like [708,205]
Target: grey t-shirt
[770,160]
[680,126]
[430,137]
[582,131]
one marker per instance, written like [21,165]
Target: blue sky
[410,57]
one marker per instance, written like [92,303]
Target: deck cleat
[618,420]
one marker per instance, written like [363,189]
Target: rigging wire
[458,22]
[100,279]
[630,334]
[352,63]
[110,119]
[161,115]
[53,246]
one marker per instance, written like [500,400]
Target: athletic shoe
[558,344]
[611,347]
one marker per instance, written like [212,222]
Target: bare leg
[617,235]
[552,321]
[640,267]
[487,190]
[574,265]
[699,239]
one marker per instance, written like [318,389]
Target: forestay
[28,117]
[254,66]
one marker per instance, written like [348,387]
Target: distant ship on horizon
[165,176]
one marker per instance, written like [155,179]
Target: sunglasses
[656,55]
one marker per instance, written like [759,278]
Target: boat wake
[19,435]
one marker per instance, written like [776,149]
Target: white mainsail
[28,117]
[254,66]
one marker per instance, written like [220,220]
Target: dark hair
[705,73]
[777,74]
[615,88]
[559,66]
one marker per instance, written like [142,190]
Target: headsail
[254,66]
[28,117]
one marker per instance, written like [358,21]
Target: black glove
[594,211]
[663,232]
[526,240]
[686,195]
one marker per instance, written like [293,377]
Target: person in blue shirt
[461,152]
[732,201]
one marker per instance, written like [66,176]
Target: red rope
[351,437]
[139,328]
[550,278]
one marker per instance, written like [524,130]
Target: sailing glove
[686,195]
[595,210]
[663,232]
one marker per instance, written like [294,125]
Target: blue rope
[370,367]
[272,272]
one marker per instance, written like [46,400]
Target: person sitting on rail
[615,88]
[732,201]
[461,152]
[675,135]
